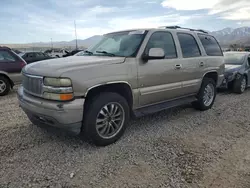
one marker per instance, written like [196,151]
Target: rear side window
[39,55]
[189,45]
[6,56]
[210,45]
[165,41]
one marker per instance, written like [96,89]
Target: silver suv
[128,73]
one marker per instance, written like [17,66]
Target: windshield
[123,44]
[234,59]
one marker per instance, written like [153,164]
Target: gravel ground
[174,148]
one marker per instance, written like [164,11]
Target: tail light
[22,64]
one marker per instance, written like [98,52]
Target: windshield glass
[123,44]
[234,59]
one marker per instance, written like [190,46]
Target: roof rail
[178,27]
[5,47]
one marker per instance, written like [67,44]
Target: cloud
[225,9]
[100,10]
[239,14]
[189,4]
[148,22]
[55,18]
[244,23]
[123,23]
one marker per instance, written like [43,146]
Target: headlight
[57,82]
[230,76]
[59,89]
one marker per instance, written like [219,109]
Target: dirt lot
[174,148]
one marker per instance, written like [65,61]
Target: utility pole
[51,44]
[75,34]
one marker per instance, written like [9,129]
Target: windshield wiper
[107,53]
[88,52]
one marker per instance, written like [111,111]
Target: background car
[56,52]
[10,69]
[237,71]
[31,57]
[73,52]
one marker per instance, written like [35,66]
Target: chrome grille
[32,84]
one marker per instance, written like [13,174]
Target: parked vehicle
[73,52]
[31,57]
[237,72]
[16,51]
[80,53]
[128,73]
[56,52]
[10,70]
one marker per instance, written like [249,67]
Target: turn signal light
[66,97]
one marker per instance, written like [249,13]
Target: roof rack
[178,27]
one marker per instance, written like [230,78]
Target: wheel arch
[6,76]
[121,87]
[213,75]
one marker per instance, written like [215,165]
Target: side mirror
[154,53]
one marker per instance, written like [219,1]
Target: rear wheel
[4,86]
[105,119]
[240,85]
[206,95]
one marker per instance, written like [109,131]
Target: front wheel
[240,85]
[106,118]
[4,86]
[206,95]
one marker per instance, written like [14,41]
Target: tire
[238,85]
[4,86]
[95,110]
[201,104]
[230,86]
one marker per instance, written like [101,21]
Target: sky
[40,20]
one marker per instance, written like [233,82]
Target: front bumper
[227,79]
[65,115]
[220,80]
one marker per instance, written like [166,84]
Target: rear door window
[189,45]
[210,45]
[6,56]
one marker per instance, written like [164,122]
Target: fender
[108,83]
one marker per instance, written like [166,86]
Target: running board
[163,106]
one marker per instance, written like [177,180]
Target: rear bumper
[65,115]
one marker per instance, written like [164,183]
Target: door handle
[202,64]
[178,66]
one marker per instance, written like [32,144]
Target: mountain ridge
[226,37]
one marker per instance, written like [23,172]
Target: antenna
[75,34]
[51,44]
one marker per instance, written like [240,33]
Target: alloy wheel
[110,120]
[209,94]
[2,86]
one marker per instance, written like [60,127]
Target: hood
[232,68]
[55,67]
